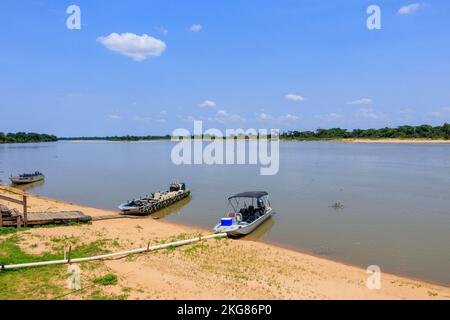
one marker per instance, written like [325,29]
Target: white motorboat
[249,210]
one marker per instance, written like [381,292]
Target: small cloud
[281,119]
[148,119]
[443,112]
[264,116]
[164,113]
[406,111]
[208,104]
[131,45]
[189,118]
[114,117]
[369,113]
[163,30]
[290,117]
[330,117]
[410,9]
[294,97]
[223,116]
[196,28]
[435,114]
[361,101]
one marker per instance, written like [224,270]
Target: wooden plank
[25,211]
[11,200]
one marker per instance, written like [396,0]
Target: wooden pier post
[25,211]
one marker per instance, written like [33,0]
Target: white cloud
[196,28]
[361,101]
[290,117]
[411,8]
[208,104]
[131,45]
[294,97]
[369,114]
[406,111]
[264,116]
[163,30]
[149,119]
[333,116]
[114,117]
[223,116]
[281,119]
[190,118]
[435,114]
[443,112]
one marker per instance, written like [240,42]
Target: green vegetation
[106,280]
[7,230]
[403,132]
[23,137]
[337,205]
[44,282]
[119,138]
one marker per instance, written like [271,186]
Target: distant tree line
[120,138]
[403,132]
[23,137]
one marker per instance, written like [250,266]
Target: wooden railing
[22,202]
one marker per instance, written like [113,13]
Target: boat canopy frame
[248,195]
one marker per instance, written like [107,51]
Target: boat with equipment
[248,211]
[27,178]
[149,204]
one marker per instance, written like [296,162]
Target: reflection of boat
[245,217]
[157,201]
[261,231]
[27,178]
[173,209]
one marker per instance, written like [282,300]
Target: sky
[149,67]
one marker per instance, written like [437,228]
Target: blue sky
[288,64]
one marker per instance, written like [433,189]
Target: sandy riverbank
[214,269]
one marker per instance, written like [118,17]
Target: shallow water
[396,197]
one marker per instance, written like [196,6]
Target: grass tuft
[106,280]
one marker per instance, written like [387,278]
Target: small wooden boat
[27,178]
[156,201]
[249,211]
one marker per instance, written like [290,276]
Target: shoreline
[320,283]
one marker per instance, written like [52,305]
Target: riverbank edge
[348,266]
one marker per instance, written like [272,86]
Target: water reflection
[259,232]
[175,208]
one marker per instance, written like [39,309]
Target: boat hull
[26,180]
[152,208]
[235,231]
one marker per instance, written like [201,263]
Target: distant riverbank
[394,141]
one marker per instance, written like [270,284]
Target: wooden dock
[43,218]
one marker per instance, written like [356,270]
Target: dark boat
[27,178]
[156,201]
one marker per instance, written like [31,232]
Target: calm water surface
[396,197]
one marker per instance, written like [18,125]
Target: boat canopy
[249,194]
